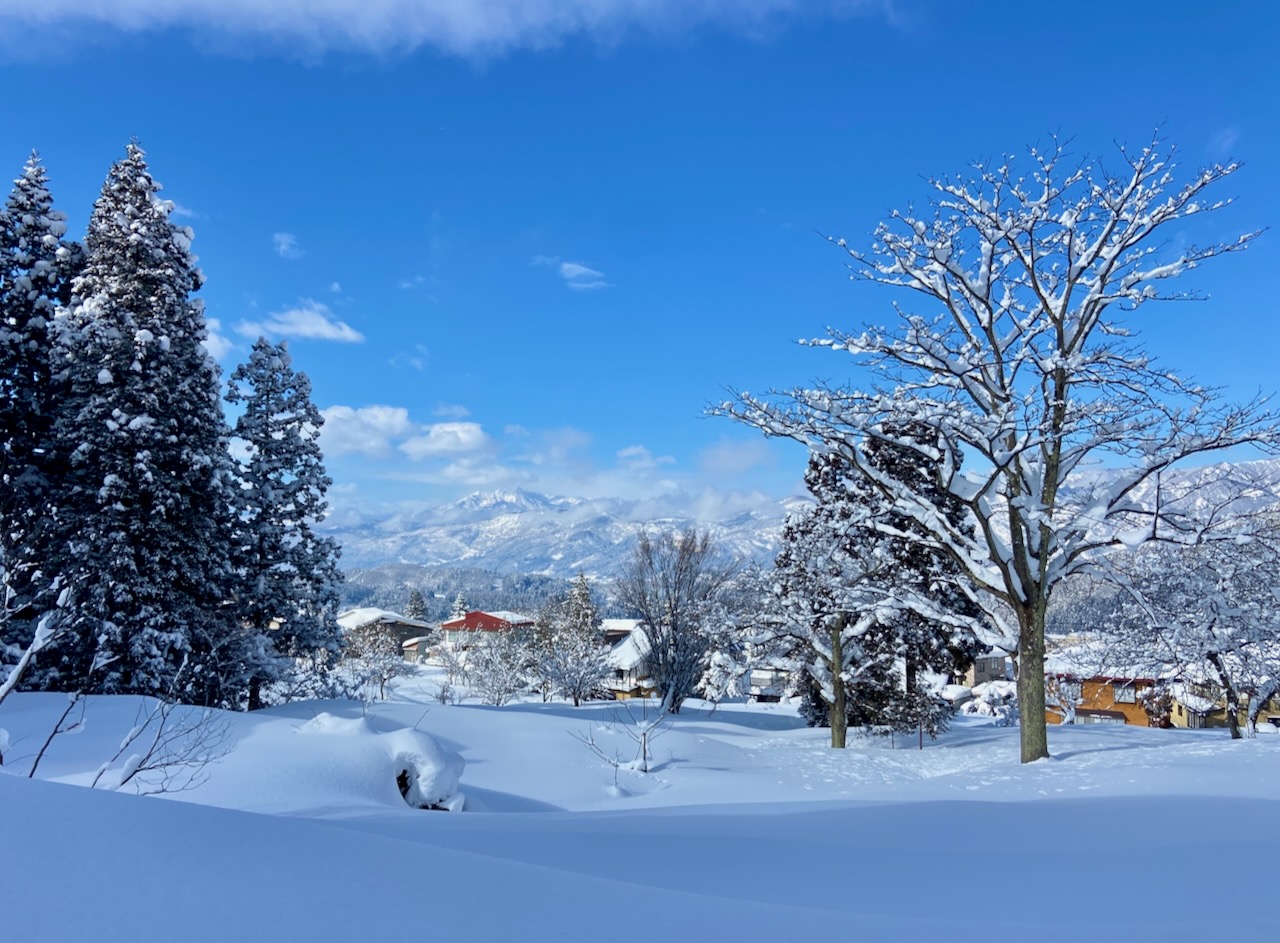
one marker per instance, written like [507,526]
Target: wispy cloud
[639,458]
[1222,143]
[310,319]
[575,275]
[451,411]
[215,341]
[414,359]
[730,457]
[286,245]
[179,211]
[462,27]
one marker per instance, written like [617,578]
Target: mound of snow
[332,764]
[419,769]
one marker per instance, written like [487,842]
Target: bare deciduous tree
[676,583]
[1018,359]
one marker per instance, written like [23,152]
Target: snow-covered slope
[748,827]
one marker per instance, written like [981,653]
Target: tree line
[138,552]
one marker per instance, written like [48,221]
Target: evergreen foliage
[569,645]
[140,524]
[416,606]
[458,609]
[871,610]
[135,556]
[37,265]
[287,575]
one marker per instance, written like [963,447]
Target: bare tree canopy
[675,584]
[1018,358]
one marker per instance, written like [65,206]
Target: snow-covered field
[747,827]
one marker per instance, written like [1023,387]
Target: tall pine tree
[36,269]
[140,529]
[288,575]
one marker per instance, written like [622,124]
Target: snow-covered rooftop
[355,618]
[628,653]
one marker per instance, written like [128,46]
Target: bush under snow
[995,699]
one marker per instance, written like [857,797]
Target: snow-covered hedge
[995,699]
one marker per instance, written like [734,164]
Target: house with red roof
[478,624]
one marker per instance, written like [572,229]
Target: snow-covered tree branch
[1018,360]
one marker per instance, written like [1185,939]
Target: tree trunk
[1033,728]
[836,712]
[1233,698]
[255,693]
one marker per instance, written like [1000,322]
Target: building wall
[985,668]
[1106,695]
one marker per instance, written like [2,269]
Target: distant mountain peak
[515,499]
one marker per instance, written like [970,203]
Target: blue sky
[525,243]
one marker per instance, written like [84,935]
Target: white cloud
[446,438]
[335,288]
[639,458]
[368,430]
[461,27]
[310,319]
[571,270]
[576,275]
[215,342]
[451,411]
[286,245]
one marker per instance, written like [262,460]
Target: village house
[401,626]
[627,651]
[475,625]
[989,667]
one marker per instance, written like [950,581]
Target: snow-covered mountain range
[525,532]
[521,532]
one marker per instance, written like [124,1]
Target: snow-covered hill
[523,532]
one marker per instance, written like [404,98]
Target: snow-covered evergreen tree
[459,608]
[569,645]
[923,643]
[140,528]
[287,575]
[416,606]
[37,265]
[826,594]
[872,612]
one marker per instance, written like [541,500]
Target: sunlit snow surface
[747,828]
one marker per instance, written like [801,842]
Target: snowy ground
[746,826]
